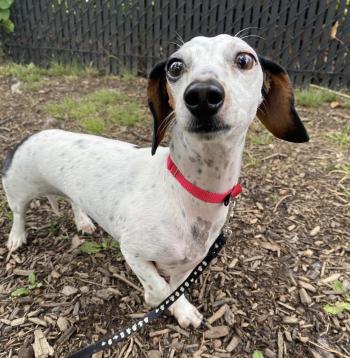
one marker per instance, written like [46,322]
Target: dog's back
[93,172]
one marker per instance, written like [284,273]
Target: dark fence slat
[149,31]
[131,35]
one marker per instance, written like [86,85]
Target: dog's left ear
[277,111]
[159,103]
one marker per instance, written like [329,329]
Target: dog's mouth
[210,125]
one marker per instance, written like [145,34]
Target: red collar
[201,194]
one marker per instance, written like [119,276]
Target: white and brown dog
[209,90]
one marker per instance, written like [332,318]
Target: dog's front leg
[156,288]
[185,313]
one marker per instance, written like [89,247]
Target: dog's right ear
[277,111]
[159,103]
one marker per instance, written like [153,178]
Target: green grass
[313,97]
[32,73]
[344,169]
[347,104]
[261,138]
[342,138]
[250,160]
[34,78]
[96,111]
[70,70]
[128,76]
[26,73]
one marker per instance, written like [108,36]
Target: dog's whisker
[245,29]
[252,35]
[263,110]
[175,43]
[179,38]
[165,123]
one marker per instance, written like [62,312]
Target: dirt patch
[287,258]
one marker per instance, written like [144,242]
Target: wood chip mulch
[287,257]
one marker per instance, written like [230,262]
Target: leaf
[37,285]
[90,247]
[338,286]
[115,245]
[20,292]
[8,26]
[32,279]
[334,29]
[334,104]
[5,4]
[4,14]
[104,244]
[337,308]
[258,354]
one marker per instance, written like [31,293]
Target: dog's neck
[211,164]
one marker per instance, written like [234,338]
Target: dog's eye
[245,61]
[175,69]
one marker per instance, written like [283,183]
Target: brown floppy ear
[277,111]
[159,103]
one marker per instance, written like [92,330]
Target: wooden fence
[310,38]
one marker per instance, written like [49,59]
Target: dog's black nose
[204,99]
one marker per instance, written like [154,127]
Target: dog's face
[218,85]
[215,84]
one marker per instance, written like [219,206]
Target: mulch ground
[287,255]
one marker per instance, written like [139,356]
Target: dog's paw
[85,225]
[186,314]
[16,240]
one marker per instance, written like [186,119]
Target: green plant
[258,354]
[337,308]
[92,247]
[339,287]
[5,22]
[25,291]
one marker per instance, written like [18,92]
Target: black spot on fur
[11,154]
[80,143]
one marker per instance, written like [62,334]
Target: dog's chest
[189,248]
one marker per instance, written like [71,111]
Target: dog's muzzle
[204,98]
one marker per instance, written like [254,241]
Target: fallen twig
[329,350]
[121,278]
[279,202]
[331,91]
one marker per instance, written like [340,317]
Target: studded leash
[151,316]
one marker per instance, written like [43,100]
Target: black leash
[125,333]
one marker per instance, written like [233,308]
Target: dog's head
[218,85]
